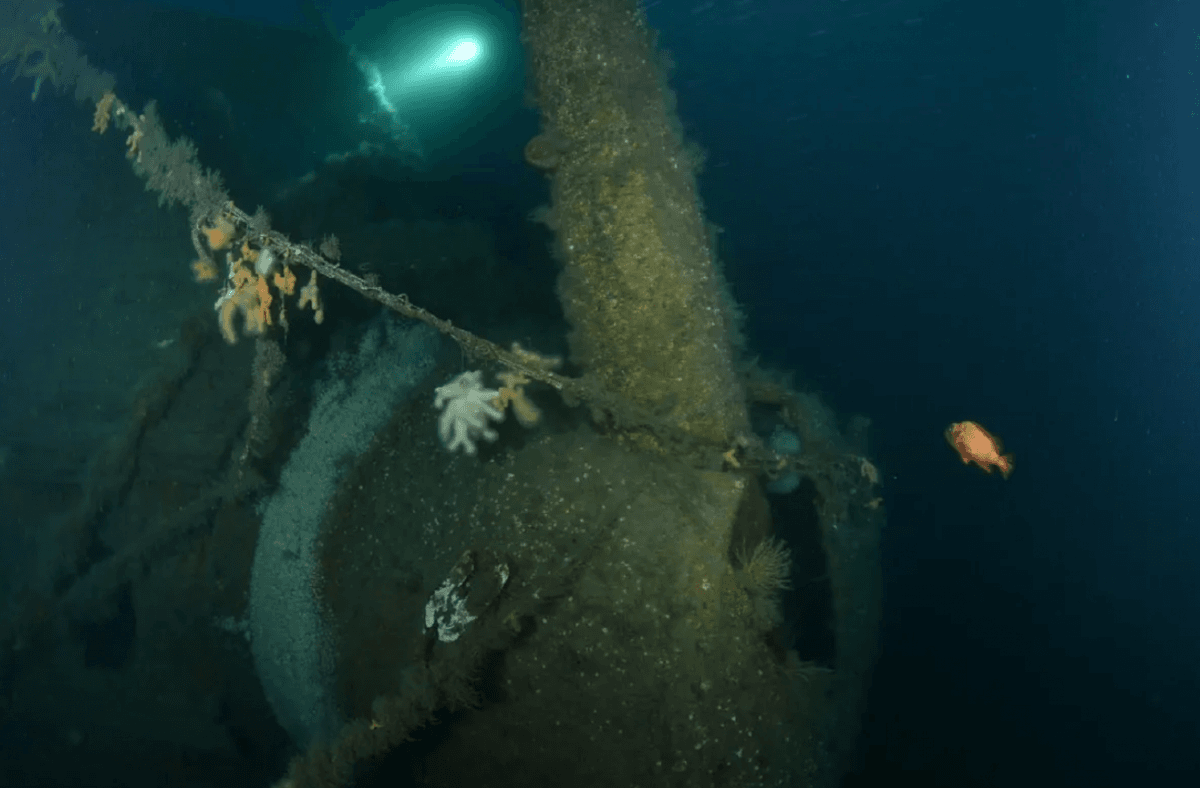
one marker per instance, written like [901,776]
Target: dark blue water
[940,211]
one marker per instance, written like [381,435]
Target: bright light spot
[463,52]
[436,72]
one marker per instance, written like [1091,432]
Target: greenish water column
[651,318]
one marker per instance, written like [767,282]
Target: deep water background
[941,211]
[932,210]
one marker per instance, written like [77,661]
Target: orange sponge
[220,234]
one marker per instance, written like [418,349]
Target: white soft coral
[466,408]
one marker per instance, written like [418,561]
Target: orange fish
[975,444]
